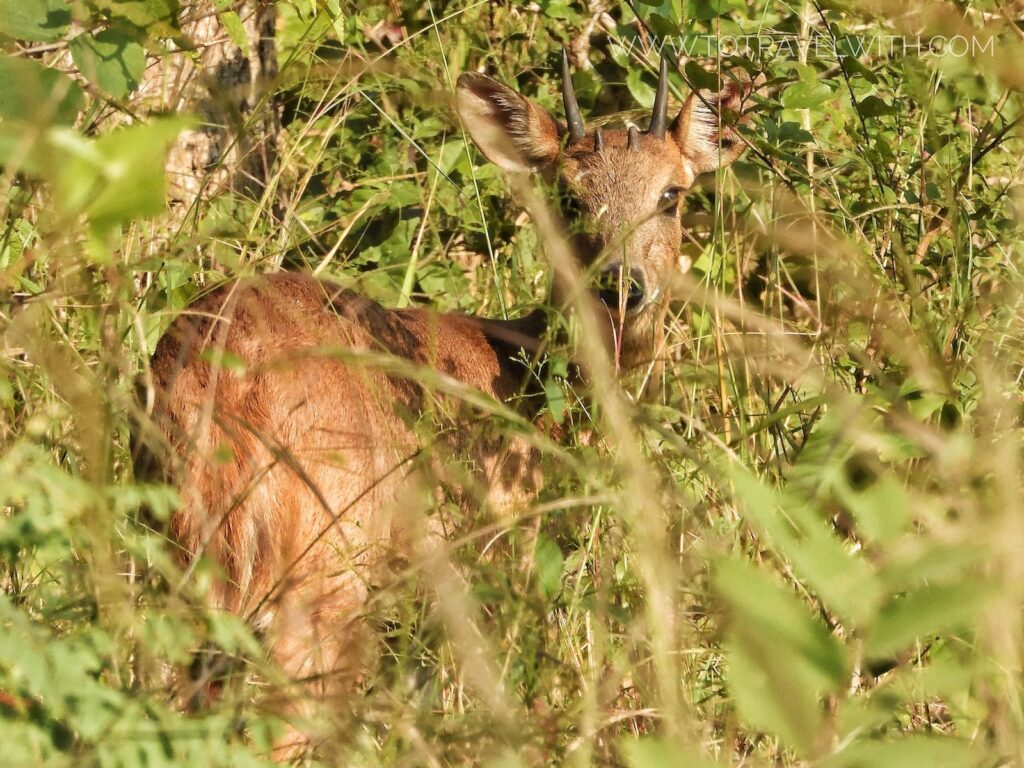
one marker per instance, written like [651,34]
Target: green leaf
[917,751]
[233,24]
[548,562]
[790,131]
[843,580]
[700,77]
[36,95]
[806,95]
[881,509]
[118,177]
[945,563]
[151,15]
[761,603]
[75,168]
[925,612]
[110,60]
[134,173]
[507,759]
[650,752]
[781,660]
[231,634]
[771,693]
[41,21]
[708,9]
[873,106]
[225,359]
[642,93]
[662,25]
[852,66]
[557,404]
[558,10]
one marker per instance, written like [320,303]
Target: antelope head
[620,189]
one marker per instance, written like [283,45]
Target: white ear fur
[706,144]
[512,132]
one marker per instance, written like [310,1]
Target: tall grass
[796,542]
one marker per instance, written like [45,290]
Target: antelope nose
[617,288]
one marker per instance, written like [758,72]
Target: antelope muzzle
[621,290]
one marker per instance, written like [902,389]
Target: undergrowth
[802,545]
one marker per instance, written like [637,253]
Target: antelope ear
[511,131]
[706,144]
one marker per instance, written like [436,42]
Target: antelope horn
[632,137]
[598,140]
[572,110]
[659,114]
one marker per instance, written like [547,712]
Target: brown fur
[291,465]
[294,433]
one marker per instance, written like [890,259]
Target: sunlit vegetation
[796,540]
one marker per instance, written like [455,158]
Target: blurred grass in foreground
[803,545]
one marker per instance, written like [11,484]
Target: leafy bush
[800,546]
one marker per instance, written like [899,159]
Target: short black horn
[572,110]
[659,115]
[633,137]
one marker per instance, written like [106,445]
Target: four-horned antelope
[290,460]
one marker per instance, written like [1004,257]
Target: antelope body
[292,469]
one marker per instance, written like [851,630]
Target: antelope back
[293,418]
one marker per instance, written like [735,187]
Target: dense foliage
[798,542]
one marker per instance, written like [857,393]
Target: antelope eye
[669,202]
